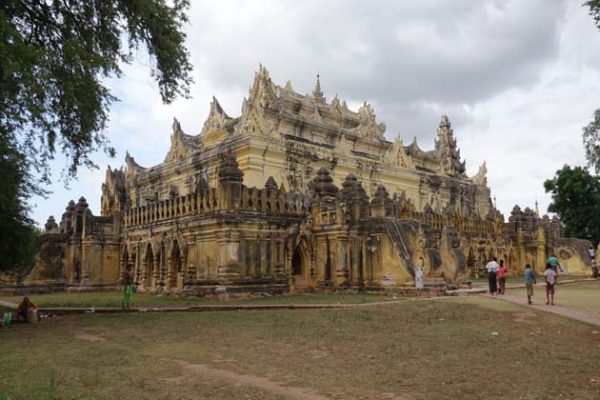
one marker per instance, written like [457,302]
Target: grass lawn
[426,349]
[113,299]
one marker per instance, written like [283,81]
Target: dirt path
[568,312]
[8,304]
[193,371]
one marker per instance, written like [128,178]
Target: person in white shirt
[592,254]
[550,276]
[492,269]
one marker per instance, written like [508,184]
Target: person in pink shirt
[501,277]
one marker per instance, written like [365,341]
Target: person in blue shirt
[554,264]
[529,282]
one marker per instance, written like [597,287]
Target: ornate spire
[318,93]
[288,87]
[447,151]
[445,128]
[176,126]
[51,226]
[229,170]
[323,184]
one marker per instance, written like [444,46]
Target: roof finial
[318,93]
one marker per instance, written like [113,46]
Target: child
[501,277]
[550,276]
[554,264]
[529,282]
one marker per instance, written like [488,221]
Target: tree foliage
[15,226]
[591,142]
[591,133]
[576,200]
[55,56]
[594,6]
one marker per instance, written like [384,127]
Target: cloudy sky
[517,78]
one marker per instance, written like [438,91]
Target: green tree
[17,232]
[54,57]
[576,201]
[591,142]
[591,133]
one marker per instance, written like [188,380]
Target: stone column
[170,272]
[191,260]
[86,254]
[181,275]
[341,270]
[373,249]
[162,269]
[264,261]
[278,258]
[122,266]
[155,270]
[228,263]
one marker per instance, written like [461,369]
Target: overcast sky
[518,80]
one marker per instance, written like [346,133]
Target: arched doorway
[297,263]
[125,266]
[175,265]
[299,268]
[148,268]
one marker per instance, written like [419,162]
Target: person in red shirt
[501,277]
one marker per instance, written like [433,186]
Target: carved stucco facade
[295,192]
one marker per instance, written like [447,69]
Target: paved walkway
[208,307]
[568,312]
[8,304]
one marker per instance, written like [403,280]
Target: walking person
[127,290]
[592,254]
[492,268]
[529,282]
[419,281]
[501,277]
[550,277]
[554,264]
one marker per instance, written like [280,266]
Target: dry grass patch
[114,298]
[447,348]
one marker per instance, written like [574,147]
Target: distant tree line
[576,191]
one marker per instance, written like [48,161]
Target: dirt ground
[438,349]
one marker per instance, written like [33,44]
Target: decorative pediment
[336,106]
[367,125]
[113,191]
[288,87]
[413,148]
[252,121]
[316,115]
[396,155]
[344,146]
[481,177]
[263,91]
[217,118]
[182,145]
[132,168]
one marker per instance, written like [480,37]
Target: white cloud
[518,79]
